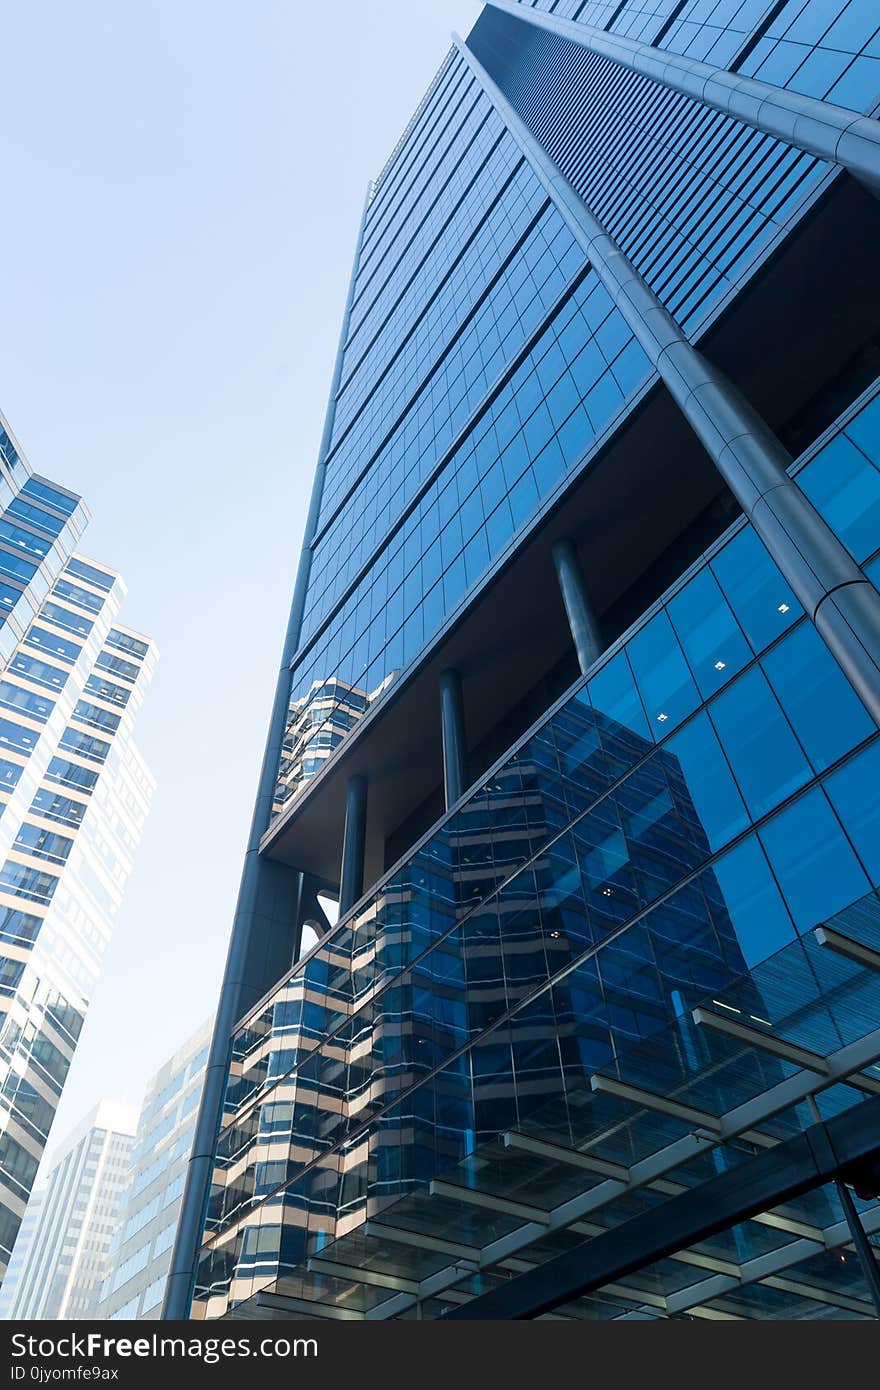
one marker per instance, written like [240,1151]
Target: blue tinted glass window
[766,758]
[27,540]
[71,775]
[667,688]
[20,508]
[755,590]
[855,26]
[708,632]
[845,488]
[864,430]
[613,692]
[813,861]
[93,603]
[820,71]
[16,566]
[859,86]
[751,901]
[59,500]
[16,925]
[827,715]
[28,883]
[15,736]
[855,795]
[90,574]
[62,617]
[127,643]
[708,782]
[39,637]
[40,672]
[9,774]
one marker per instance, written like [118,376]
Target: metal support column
[834,591]
[817,127]
[352,874]
[454,744]
[864,1249]
[262,943]
[578,608]
[311,911]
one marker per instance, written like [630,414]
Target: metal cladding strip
[837,595]
[268,894]
[817,127]
[823,1152]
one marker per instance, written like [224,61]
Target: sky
[184,183]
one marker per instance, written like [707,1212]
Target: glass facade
[74,796]
[521,999]
[139,1250]
[471,417]
[823,48]
[699,803]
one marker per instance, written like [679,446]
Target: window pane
[765,756]
[827,715]
[708,784]
[855,795]
[815,865]
[749,902]
[755,590]
[666,685]
[708,632]
[845,488]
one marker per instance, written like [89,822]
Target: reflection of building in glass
[74,792]
[139,1252]
[303,1074]
[317,724]
[61,1254]
[622,568]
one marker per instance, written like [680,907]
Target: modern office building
[578,709]
[74,795]
[139,1252]
[61,1254]
[23,1246]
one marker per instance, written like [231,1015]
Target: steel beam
[778,1175]
[761,1040]
[649,1172]
[845,946]
[560,1153]
[470,1196]
[774,1046]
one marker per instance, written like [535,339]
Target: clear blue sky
[183,187]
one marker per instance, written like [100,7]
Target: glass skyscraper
[578,708]
[74,795]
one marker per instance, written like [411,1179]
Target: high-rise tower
[74,795]
[61,1256]
[578,706]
